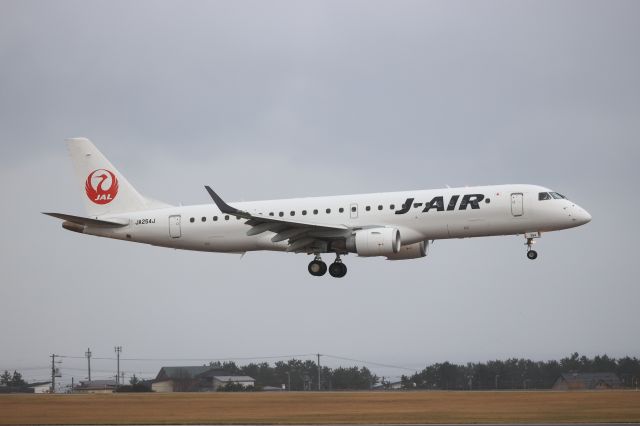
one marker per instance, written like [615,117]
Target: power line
[378,364]
[26,368]
[213,359]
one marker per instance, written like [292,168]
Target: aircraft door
[174,226]
[353,211]
[516,204]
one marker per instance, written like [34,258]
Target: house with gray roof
[186,379]
[587,381]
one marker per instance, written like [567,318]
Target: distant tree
[134,380]
[602,363]
[5,379]
[16,380]
[135,385]
[353,378]
[571,363]
[228,366]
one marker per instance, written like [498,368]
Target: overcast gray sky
[263,100]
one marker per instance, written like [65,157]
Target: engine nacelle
[411,251]
[375,242]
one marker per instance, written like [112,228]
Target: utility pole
[53,373]
[318,371]
[288,379]
[118,349]
[88,355]
[122,377]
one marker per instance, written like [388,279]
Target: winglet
[224,207]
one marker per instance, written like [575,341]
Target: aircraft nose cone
[581,216]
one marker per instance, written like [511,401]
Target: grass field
[325,407]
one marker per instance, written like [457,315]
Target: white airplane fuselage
[505,210]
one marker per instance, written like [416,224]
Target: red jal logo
[101,186]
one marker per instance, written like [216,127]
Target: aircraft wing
[301,235]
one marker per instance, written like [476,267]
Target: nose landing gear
[531,254]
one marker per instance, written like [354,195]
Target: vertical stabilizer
[104,189]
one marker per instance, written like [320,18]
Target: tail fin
[105,189]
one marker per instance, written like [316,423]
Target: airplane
[394,225]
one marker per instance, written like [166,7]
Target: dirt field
[330,407]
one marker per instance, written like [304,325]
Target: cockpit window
[544,196]
[558,196]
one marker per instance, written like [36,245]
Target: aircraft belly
[434,228]
[469,228]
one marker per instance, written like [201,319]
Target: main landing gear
[317,267]
[531,254]
[337,269]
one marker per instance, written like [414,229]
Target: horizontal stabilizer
[113,223]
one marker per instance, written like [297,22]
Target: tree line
[519,373]
[299,375]
[14,379]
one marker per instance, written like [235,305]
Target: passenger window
[380,207]
[226,217]
[281,214]
[204,219]
[328,211]
[368,208]
[215,218]
[392,206]
[238,217]
[341,210]
[193,219]
[292,213]
[543,196]
[353,209]
[487,200]
[315,211]
[304,212]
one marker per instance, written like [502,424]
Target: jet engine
[374,242]
[411,251]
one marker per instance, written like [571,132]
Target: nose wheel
[530,237]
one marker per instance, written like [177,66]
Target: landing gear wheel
[530,241]
[343,272]
[317,268]
[338,269]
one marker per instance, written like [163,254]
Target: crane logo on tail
[101,186]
